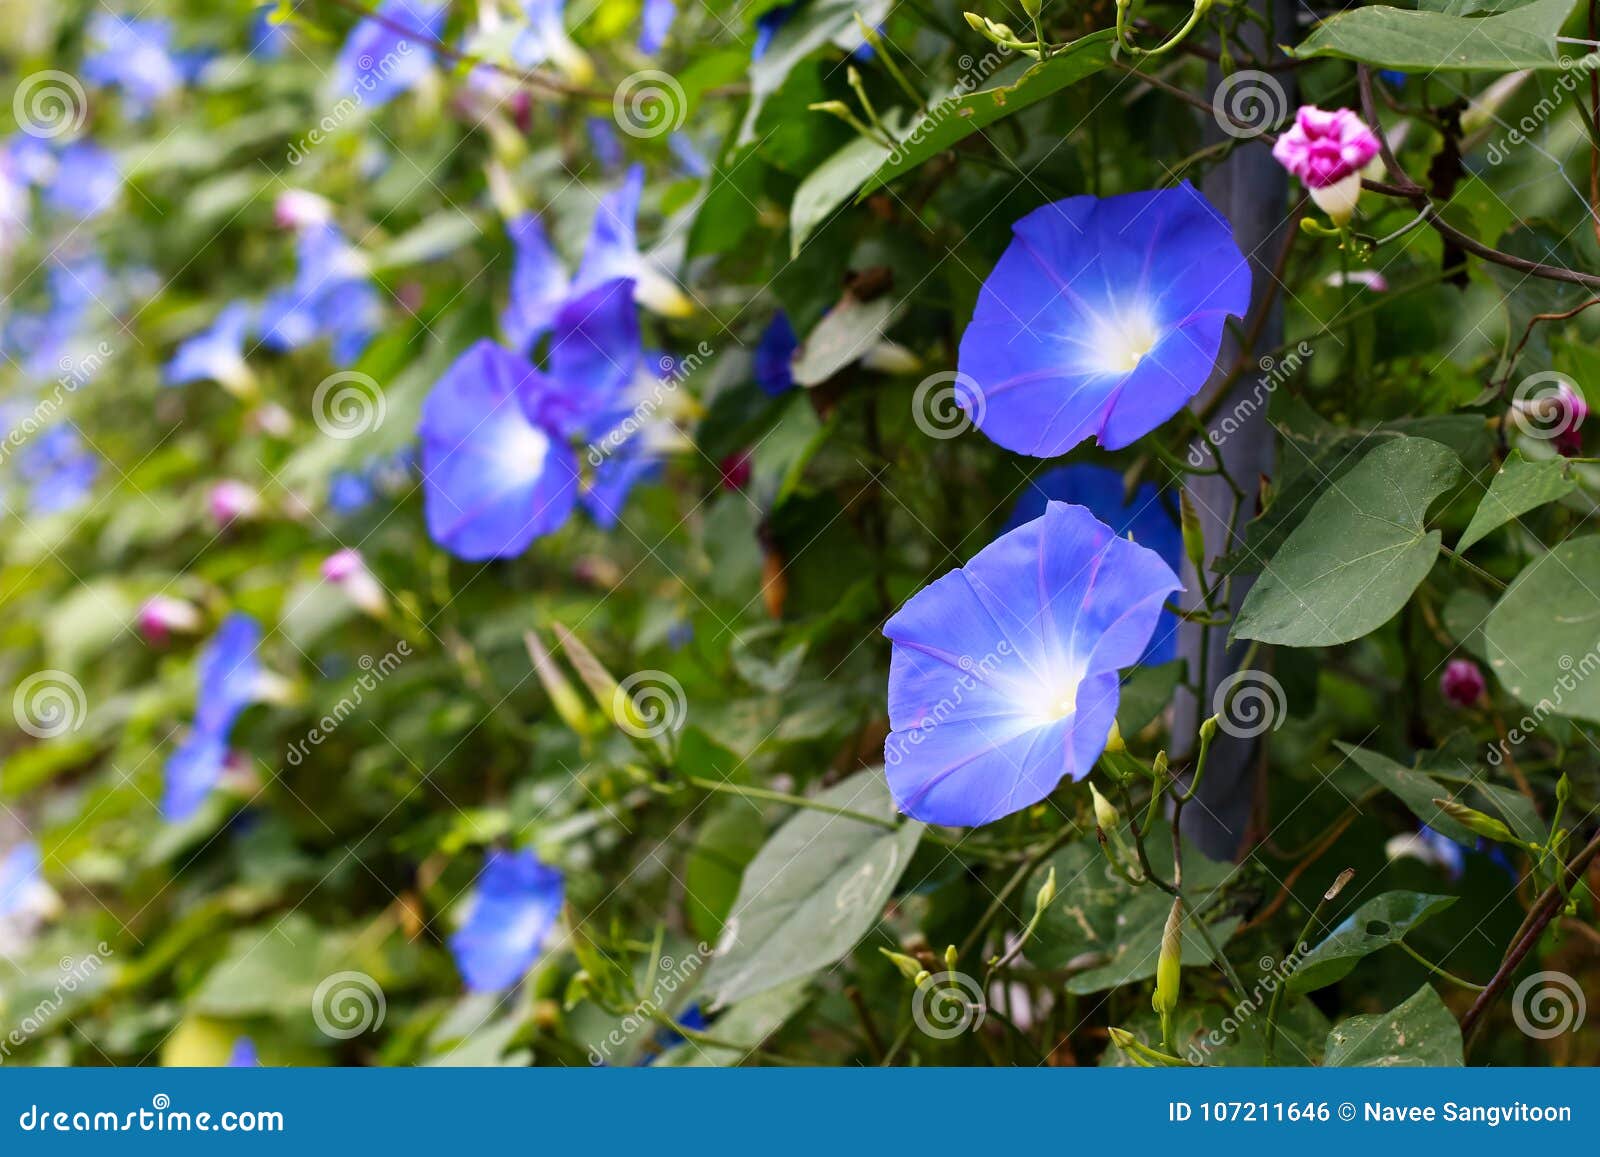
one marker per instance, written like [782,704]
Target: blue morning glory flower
[229,676]
[539,284]
[268,39]
[604,142]
[135,56]
[689,159]
[773,355]
[513,908]
[86,181]
[332,297]
[545,41]
[497,470]
[244,1054]
[19,876]
[613,253]
[378,63]
[350,492]
[767,26]
[655,24]
[217,353]
[1101,319]
[59,469]
[1149,522]
[1004,674]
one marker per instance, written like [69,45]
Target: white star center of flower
[1055,699]
[1123,341]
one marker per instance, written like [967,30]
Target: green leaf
[1543,636]
[801,35]
[1433,41]
[726,843]
[1419,1032]
[1139,926]
[1146,694]
[1520,486]
[1352,564]
[830,185]
[845,333]
[746,1025]
[815,889]
[964,114]
[1415,789]
[1380,922]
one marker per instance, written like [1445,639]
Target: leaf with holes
[1380,922]
[1420,1032]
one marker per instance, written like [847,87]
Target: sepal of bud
[1142,1054]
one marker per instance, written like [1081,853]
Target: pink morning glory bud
[230,501]
[348,570]
[163,615]
[1327,150]
[1462,683]
[300,209]
[735,470]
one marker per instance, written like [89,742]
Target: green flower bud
[950,957]
[908,965]
[1169,965]
[1046,896]
[1106,817]
[1194,537]
[1486,826]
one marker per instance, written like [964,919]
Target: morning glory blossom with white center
[217,353]
[515,904]
[613,253]
[1003,679]
[1102,318]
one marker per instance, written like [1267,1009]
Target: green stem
[782,797]
[1435,969]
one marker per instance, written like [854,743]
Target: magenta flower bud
[230,501]
[1323,148]
[162,616]
[298,209]
[348,570]
[1462,683]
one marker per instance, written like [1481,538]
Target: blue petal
[87,180]
[244,1055]
[614,479]
[378,63]
[228,674]
[214,353]
[19,870]
[515,905]
[613,248]
[594,354]
[775,354]
[192,772]
[1101,319]
[494,478]
[538,284]
[656,24]
[1003,678]
[1099,490]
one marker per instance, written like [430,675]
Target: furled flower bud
[1475,821]
[300,209]
[162,616]
[1105,815]
[1327,150]
[1169,965]
[1462,683]
[231,501]
[348,570]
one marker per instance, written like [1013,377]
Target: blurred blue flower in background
[136,55]
[690,160]
[771,362]
[86,182]
[1003,678]
[1101,319]
[229,677]
[613,253]
[244,1055]
[539,284]
[1099,490]
[217,353]
[545,41]
[515,904]
[604,142]
[378,62]
[655,24]
[332,297]
[59,468]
